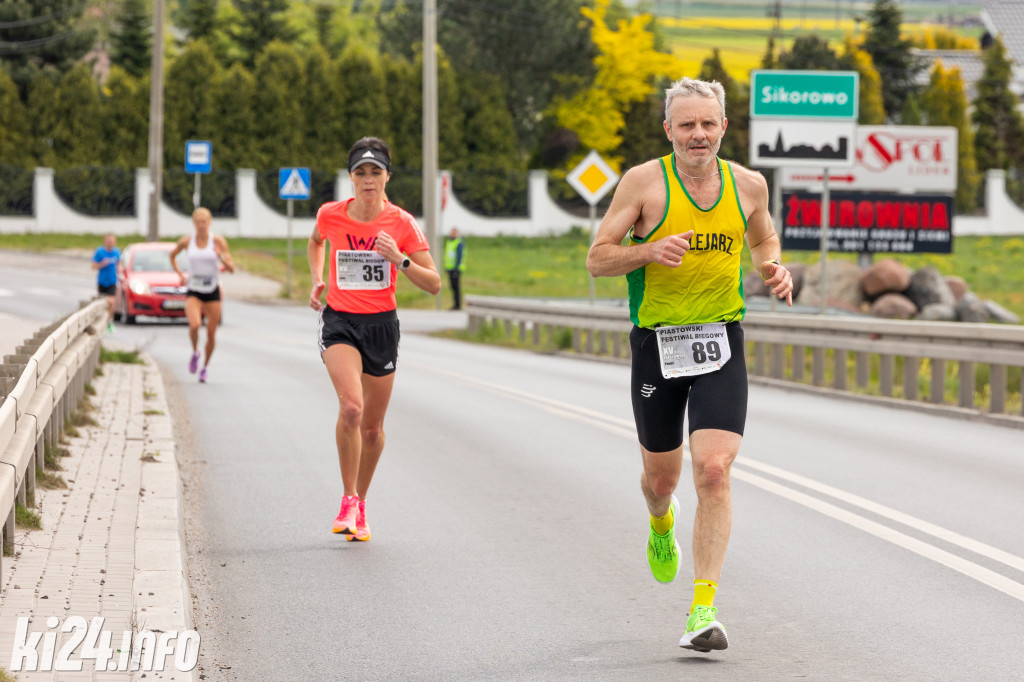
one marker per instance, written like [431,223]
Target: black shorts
[374,335]
[206,297]
[107,290]
[717,400]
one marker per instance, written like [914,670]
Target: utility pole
[430,126]
[156,122]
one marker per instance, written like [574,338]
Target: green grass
[555,267]
[25,517]
[49,480]
[130,357]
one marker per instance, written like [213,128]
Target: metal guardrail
[889,359]
[40,386]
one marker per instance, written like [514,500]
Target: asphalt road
[509,531]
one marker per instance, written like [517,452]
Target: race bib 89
[692,349]
[362,270]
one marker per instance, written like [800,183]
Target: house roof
[968,61]
[1006,18]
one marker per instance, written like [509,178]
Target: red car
[147,284]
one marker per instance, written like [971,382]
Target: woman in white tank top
[206,252]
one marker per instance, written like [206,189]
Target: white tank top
[203,266]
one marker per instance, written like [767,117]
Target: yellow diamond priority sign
[592,178]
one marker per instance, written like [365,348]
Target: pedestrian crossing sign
[592,178]
[293,183]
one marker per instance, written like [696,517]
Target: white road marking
[626,428]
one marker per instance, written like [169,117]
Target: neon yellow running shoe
[703,632]
[663,550]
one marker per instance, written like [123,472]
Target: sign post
[198,160]
[293,183]
[805,118]
[592,178]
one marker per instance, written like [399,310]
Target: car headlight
[138,287]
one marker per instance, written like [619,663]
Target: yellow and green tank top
[708,286]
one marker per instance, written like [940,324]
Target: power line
[44,18]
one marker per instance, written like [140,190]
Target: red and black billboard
[869,222]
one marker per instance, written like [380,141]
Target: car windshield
[157,261]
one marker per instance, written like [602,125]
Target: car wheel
[129,319]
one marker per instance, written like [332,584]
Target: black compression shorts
[717,400]
[205,297]
[374,335]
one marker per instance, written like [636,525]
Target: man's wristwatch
[406,262]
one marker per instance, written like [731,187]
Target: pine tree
[75,142]
[125,119]
[364,106]
[736,141]
[42,105]
[232,138]
[944,103]
[809,53]
[198,18]
[14,126]
[405,121]
[999,138]
[35,34]
[132,37]
[259,23]
[326,146]
[279,123]
[190,113]
[891,55]
[870,109]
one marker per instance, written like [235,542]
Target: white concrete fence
[864,357]
[256,219]
[40,386]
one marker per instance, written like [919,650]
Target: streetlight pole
[430,126]
[156,122]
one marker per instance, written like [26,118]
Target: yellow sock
[663,524]
[703,593]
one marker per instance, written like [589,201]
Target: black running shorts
[205,297]
[374,335]
[717,400]
[106,289]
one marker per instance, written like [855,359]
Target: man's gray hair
[685,87]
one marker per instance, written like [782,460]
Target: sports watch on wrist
[406,262]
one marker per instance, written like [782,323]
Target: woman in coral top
[371,242]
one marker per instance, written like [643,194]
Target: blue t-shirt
[107,275]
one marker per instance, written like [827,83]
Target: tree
[405,85]
[736,143]
[363,98]
[871,110]
[130,39]
[890,53]
[999,138]
[944,104]
[198,18]
[326,145]
[769,61]
[809,53]
[14,126]
[626,66]
[279,123]
[189,113]
[42,103]
[77,108]
[233,102]
[491,153]
[35,34]
[540,49]
[125,119]
[259,23]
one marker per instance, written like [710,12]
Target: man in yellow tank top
[686,216]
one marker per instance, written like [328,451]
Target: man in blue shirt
[104,261]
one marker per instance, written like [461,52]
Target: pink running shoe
[193,364]
[202,375]
[346,521]
[362,527]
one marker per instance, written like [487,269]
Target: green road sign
[804,94]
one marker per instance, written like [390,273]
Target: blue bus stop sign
[293,183]
[198,156]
